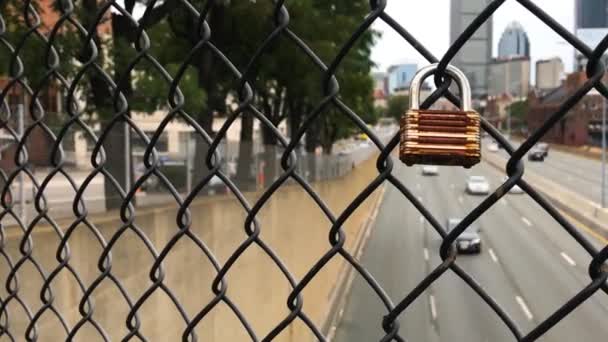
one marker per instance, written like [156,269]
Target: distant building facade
[591,26]
[591,13]
[549,73]
[497,109]
[380,89]
[509,76]
[399,77]
[474,58]
[581,126]
[514,42]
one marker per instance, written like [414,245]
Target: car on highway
[478,185]
[493,147]
[544,147]
[468,241]
[430,170]
[515,189]
[536,155]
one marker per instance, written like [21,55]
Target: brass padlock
[439,137]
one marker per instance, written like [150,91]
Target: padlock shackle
[454,72]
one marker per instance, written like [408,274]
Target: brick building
[38,142]
[582,123]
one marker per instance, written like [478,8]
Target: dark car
[468,241]
[536,155]
[543,147]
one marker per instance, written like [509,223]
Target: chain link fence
[284,163]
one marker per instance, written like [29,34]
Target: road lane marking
[524,307]
[568,259]
[433,307]
[589,230]
[460,199]
[492,255]
[421,219]
[526,221]
[426,254]
[419,198]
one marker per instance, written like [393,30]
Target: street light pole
[509,122]
[603,152]
[21,130]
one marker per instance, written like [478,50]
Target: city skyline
[392,49]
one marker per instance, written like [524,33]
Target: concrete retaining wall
[291,225]
[573,204]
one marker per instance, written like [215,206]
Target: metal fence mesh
[14,302]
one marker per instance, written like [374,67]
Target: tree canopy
[397,106]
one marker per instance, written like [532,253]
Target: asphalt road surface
[576,173]
[528,264]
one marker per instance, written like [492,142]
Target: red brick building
[38,142]
[580,126]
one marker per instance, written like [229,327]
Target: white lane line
[526,221]
[426,254]
[460,199]
[419,198]
[524,307]
[421,219]
[433,307]
[493,255]
[568,259]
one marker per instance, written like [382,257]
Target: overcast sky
[428,21]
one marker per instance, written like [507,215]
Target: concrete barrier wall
[291,225]
[573,204]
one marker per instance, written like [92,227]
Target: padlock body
[436,137]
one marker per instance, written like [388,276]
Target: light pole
[603,152]
[21,129]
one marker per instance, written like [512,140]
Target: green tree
[518,111]
[397,106]
[114,54]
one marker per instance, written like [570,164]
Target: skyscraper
[514,42]
[591,26]
[591,13]
[549,73]
[475,56]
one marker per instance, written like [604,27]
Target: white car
[515,189]
[478,185]
[430,170]
[493,147]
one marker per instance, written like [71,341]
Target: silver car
[468,241]
[478,185]
[430,170]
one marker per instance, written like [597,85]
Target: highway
[580,174]
[528,264]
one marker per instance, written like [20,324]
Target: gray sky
[415,16]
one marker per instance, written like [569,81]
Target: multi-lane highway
[576,173]
[528,264]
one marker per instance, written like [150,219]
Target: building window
[139,145]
